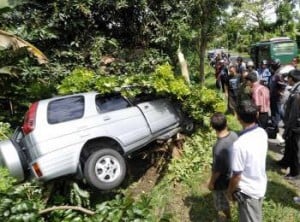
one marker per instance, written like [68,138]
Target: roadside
[278,150]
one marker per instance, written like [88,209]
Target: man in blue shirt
[264,73]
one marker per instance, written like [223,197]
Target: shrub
[5,130]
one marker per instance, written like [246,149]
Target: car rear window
[65,109]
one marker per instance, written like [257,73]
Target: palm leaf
[8,40]
[8,70]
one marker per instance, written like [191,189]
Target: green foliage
[199,102]
[233,124]
[80,80]
[19,202]
[5,130]
[138,36]
[100,45]
[36,82]
[6,181]
[124,208]
[203,102]
[162,81]
[79,197]
[196,157]
[135,62]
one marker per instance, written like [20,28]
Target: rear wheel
[105,169]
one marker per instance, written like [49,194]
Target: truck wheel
[105,169]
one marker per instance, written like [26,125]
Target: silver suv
[88,135]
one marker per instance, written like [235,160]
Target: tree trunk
[202,47]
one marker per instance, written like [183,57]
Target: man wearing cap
[264,73]
[250,68]
[291,121]
[261,97]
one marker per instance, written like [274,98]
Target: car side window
[143,97]
[65,109]
[110,103]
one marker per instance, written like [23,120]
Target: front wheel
[188,126]
[105,169]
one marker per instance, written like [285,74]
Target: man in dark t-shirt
[232,88]
[221,74]
[221,169]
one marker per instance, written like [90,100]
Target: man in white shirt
[248,161]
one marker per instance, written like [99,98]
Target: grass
[278,204]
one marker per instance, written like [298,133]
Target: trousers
[290,157]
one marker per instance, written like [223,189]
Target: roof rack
[279,38]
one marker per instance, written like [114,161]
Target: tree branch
[84,210]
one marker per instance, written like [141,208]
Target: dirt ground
[146,169]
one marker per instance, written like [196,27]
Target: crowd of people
[255,96]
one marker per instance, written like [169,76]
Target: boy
[221,164]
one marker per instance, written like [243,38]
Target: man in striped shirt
[260,97]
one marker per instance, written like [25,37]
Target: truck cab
[282,48]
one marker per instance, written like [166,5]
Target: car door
[122,120]
[159,113]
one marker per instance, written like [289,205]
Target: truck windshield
[264,52]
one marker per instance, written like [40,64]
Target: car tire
[105,169]
[188,126]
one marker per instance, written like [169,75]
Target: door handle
[105,118]
[146,106]
[82,127]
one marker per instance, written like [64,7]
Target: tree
[206,18]
[136,35]
[255,20]
[285,22]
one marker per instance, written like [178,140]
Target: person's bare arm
[213,178]
[233,184]
[226,90]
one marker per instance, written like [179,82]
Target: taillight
[37,170]
[29,120]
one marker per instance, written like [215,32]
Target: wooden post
[183,66]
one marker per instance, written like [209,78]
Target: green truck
[282,48]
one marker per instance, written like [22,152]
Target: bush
[19,202]
[200,102]
[5,130]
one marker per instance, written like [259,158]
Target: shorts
[220,200]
